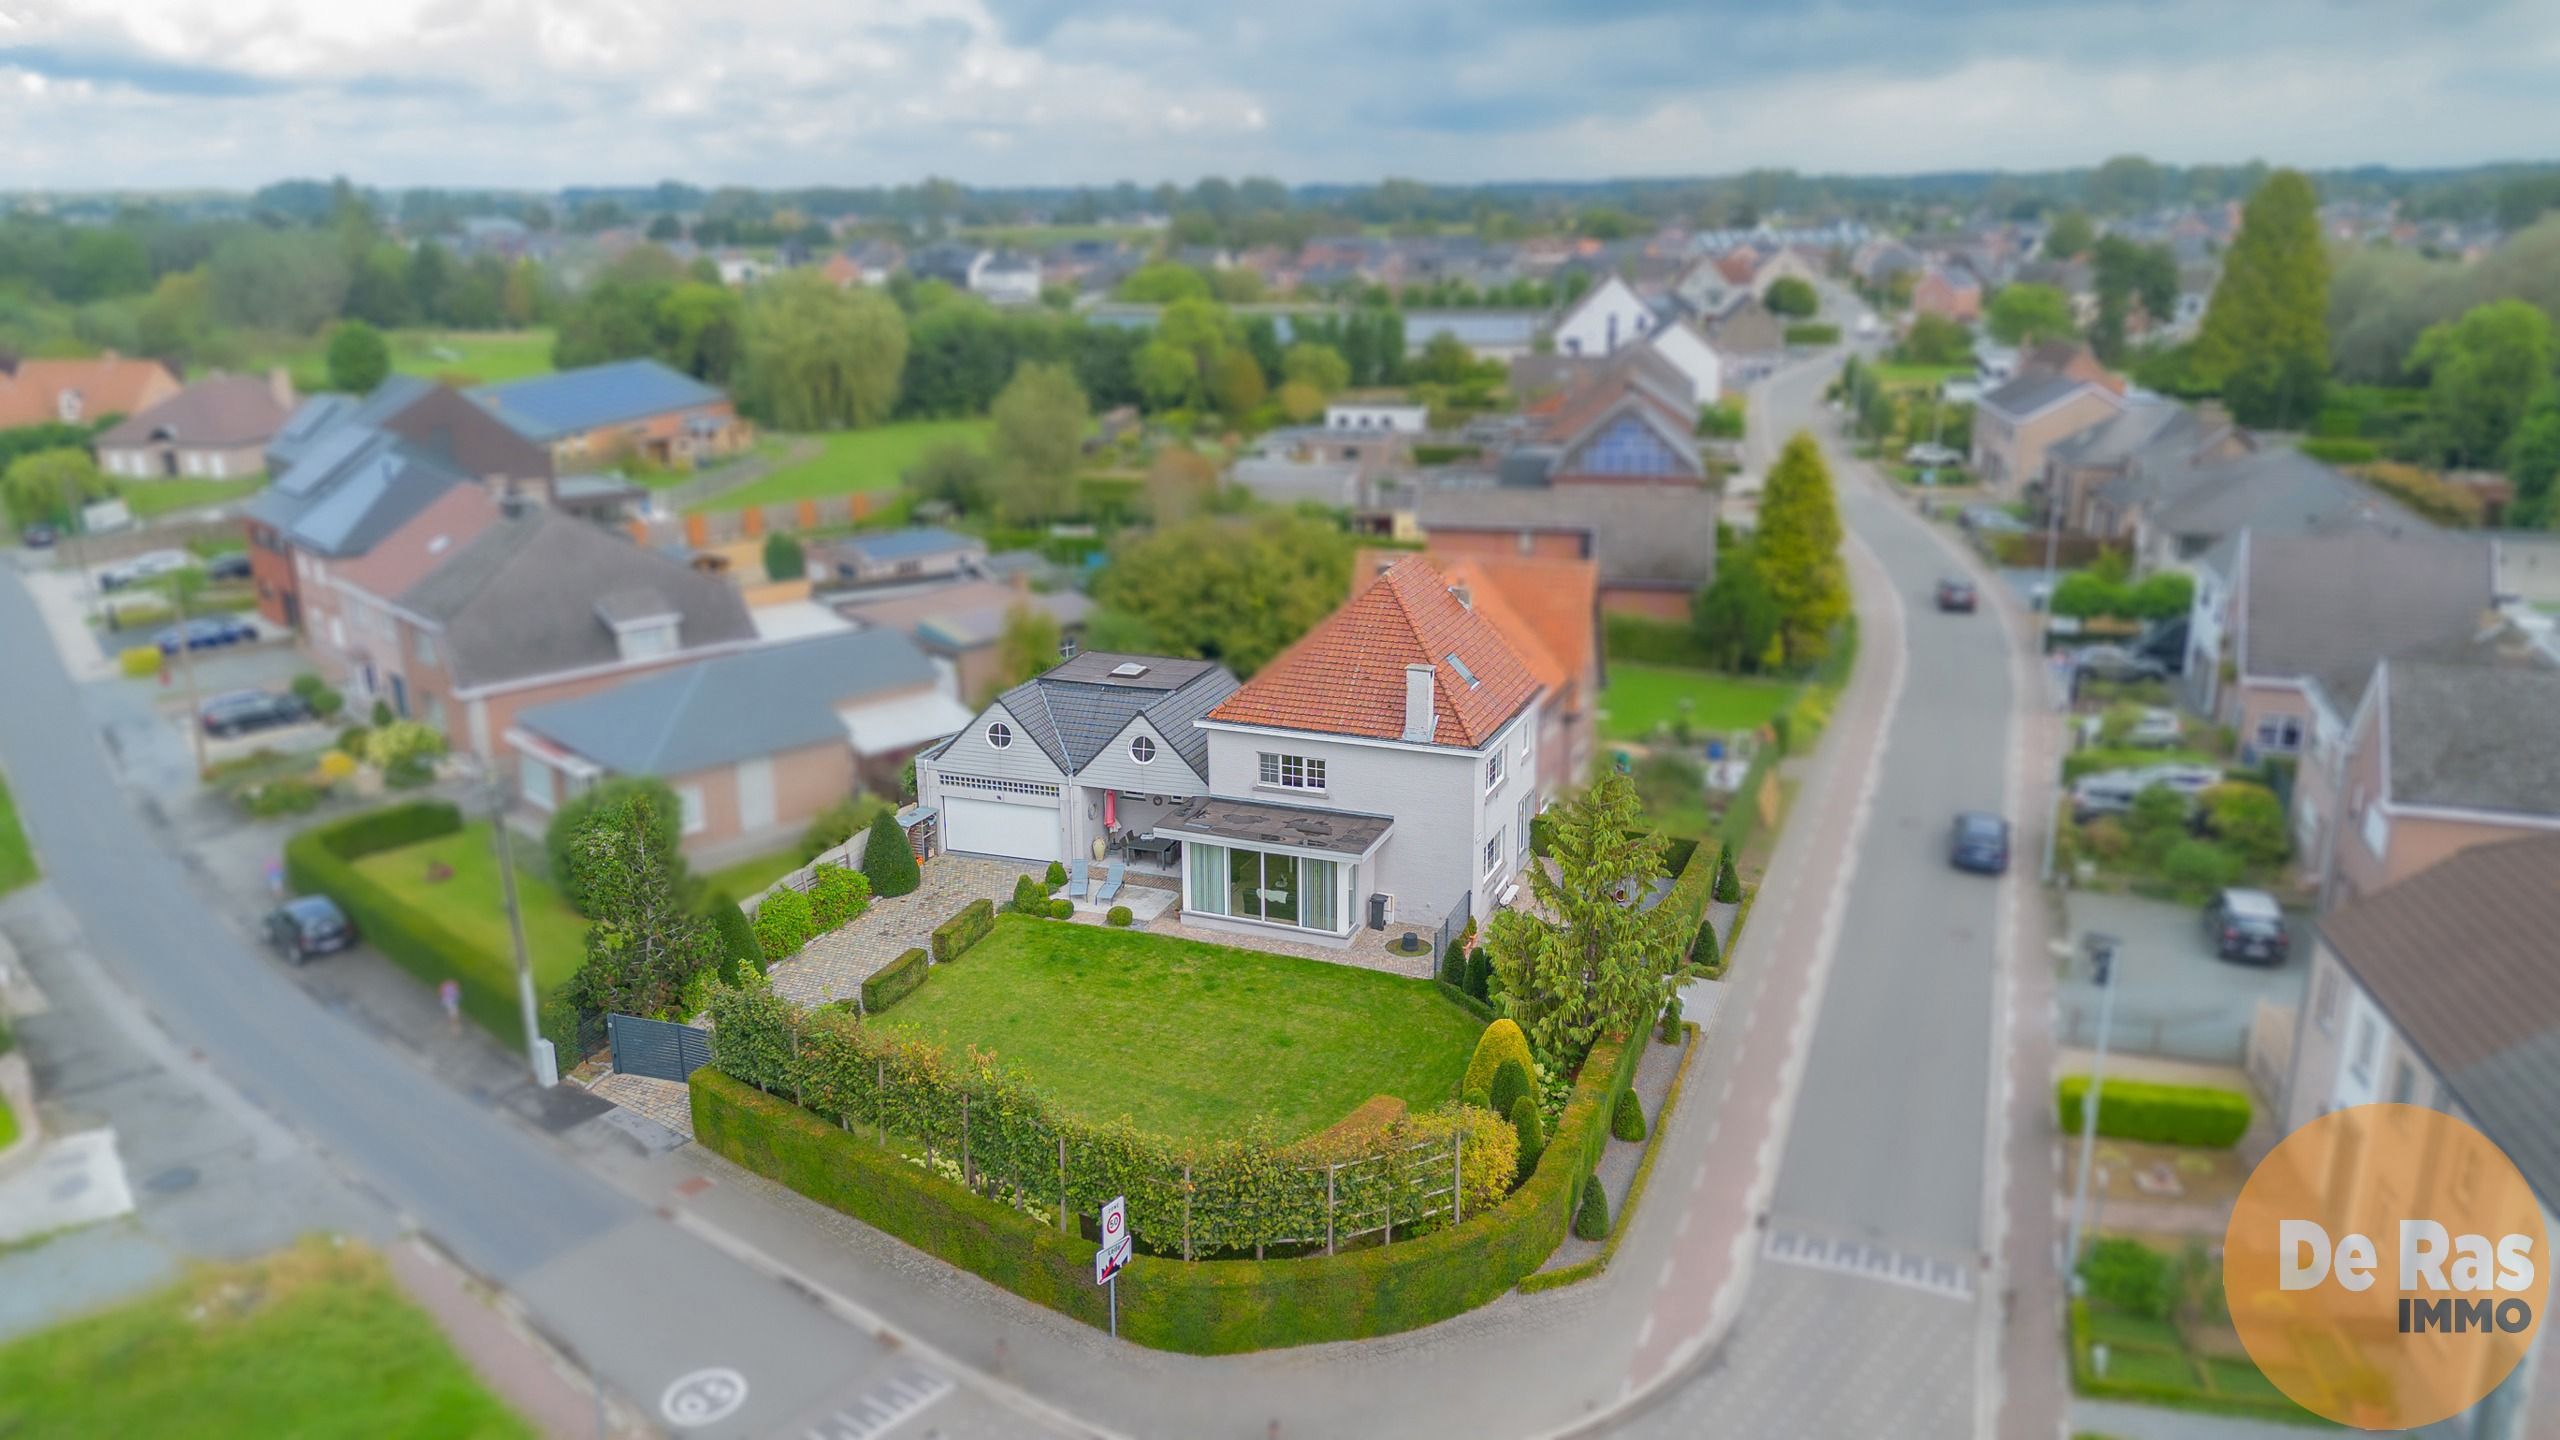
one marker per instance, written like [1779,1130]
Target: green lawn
[851,460]
[17,857]
[474,905]
[1189,1040]
[315,1341]
[752,875]
[158,497]
[472,357]
[8,1124]
[1639,697]
[1894,374]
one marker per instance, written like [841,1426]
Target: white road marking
[884,1409]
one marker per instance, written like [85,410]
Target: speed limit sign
[1115,1221]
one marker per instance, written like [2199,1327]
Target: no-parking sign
[1114,1250]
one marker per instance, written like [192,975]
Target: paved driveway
[835,964]
[2175,999]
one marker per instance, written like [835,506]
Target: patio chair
[1110,890]
[1077,875]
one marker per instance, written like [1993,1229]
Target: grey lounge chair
[1077,876]
[1110,890]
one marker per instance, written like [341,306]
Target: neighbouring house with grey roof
[596,417]
[540,607]
[1655,545]
[2278,491]
[2117,473]
[215,429]
[1098,749]
[2015,424]
[960,624]
[2439,992]
[889,557]
[755,742]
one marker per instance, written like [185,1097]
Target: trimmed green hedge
[894,981]
[1813,334]
[2159,1114]
[321,860]
[954,936]
[1208,1307]
[2195,1396]
[1647,641]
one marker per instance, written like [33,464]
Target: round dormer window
[999,734]
[1142,750]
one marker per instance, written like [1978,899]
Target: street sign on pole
[1108,1260]
[1113,1253]
[1115,1221]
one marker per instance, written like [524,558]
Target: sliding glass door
[1274,889]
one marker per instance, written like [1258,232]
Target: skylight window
[1463,672]
[1128,670]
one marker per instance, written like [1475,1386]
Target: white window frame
[1142,749]
[2280,734]
[2363,1048]
[999,735]
[1282,771]
[1493,852]
[689,801]
[1493,770]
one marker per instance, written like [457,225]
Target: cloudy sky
[543,92]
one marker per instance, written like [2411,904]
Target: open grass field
[147,498]
[17,856]
[1895,376]
[464,357]
[851,460]
[1190,1040]
[474,904]
[1640,697]
[316,1341]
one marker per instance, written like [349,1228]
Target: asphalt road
[641,1300]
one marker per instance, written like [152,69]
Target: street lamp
[546,1066]
[2102,966]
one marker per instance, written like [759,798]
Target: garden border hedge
[2200,1115]
[895,981]
[1207,1307]
[321,860]
[953,937]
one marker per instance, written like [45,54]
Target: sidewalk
[501,1349]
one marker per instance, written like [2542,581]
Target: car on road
[205,632]
[309,925]
[244,712]
[1979,841]
[233,566]
[2116,665]
[2247,925]
[2112,792]
[38,536]
[2157,729]
[149,565]
[1956,595]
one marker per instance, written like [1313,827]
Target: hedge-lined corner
[954,936]
[894,981]
[1208,1307]
[1564,1275]
[321,860]
[2200,1115]
[2196,1398]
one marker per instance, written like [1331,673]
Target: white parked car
[2158,729]
[2111,792]
[149,565]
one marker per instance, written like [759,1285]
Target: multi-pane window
[1629,447]
[1292,772]
[2280,733]
[1493,852]
[1493,770]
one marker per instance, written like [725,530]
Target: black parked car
[309,925]
[38,536]
[206,633]
[2246,925]
[1979,842]
[234,566]
[246,711]
[1956,595]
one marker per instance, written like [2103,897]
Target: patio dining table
[1148,847]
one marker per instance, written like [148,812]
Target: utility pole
[2052,542]
[2102,964]
[546,1070]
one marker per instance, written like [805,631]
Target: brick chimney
[280,385]
[1420,724]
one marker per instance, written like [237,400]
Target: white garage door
[993,827]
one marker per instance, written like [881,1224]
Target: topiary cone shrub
[1453,965]
[1728,884]
[1510,1082]
[886,861]
[741,955]
[1627,1120]
[1591,1218]
[1703,951]
[1057,875]
[1502,1040]
[1479,974]
[1532,1131]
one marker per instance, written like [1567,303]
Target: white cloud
[141,92]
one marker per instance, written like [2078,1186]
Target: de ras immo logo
[2386,1266]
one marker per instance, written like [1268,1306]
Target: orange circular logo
[2385,1266]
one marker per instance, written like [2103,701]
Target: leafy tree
[1236,384]
[1040,421]
[1167,375]
[359,358]
[2162,595]
[1232,591]
[2533,461]
[1300,402]
[2127,274]
[2021,314]
[1792,297]
[1798,551]
[49,486]
[1736,616]
[697,330]
[644,944]
[2250,819]
[560,838]
[2070,234]
[1161,282]
[1027,645]
[2483,371]
[741,956]
[288,281]
[1180,481]
[378,287]
[1599,966]
[1320,367]
[2083,594]
[2266,339]
[2126,185]
[783,557]
[886,861]
[955,472]
[1445,360]
[1936,340]
[814,357]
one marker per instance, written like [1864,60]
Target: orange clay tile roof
[1545,606]
[1346,676]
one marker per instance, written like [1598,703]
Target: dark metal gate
[660,1049]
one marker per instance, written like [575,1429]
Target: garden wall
[1207,1307]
